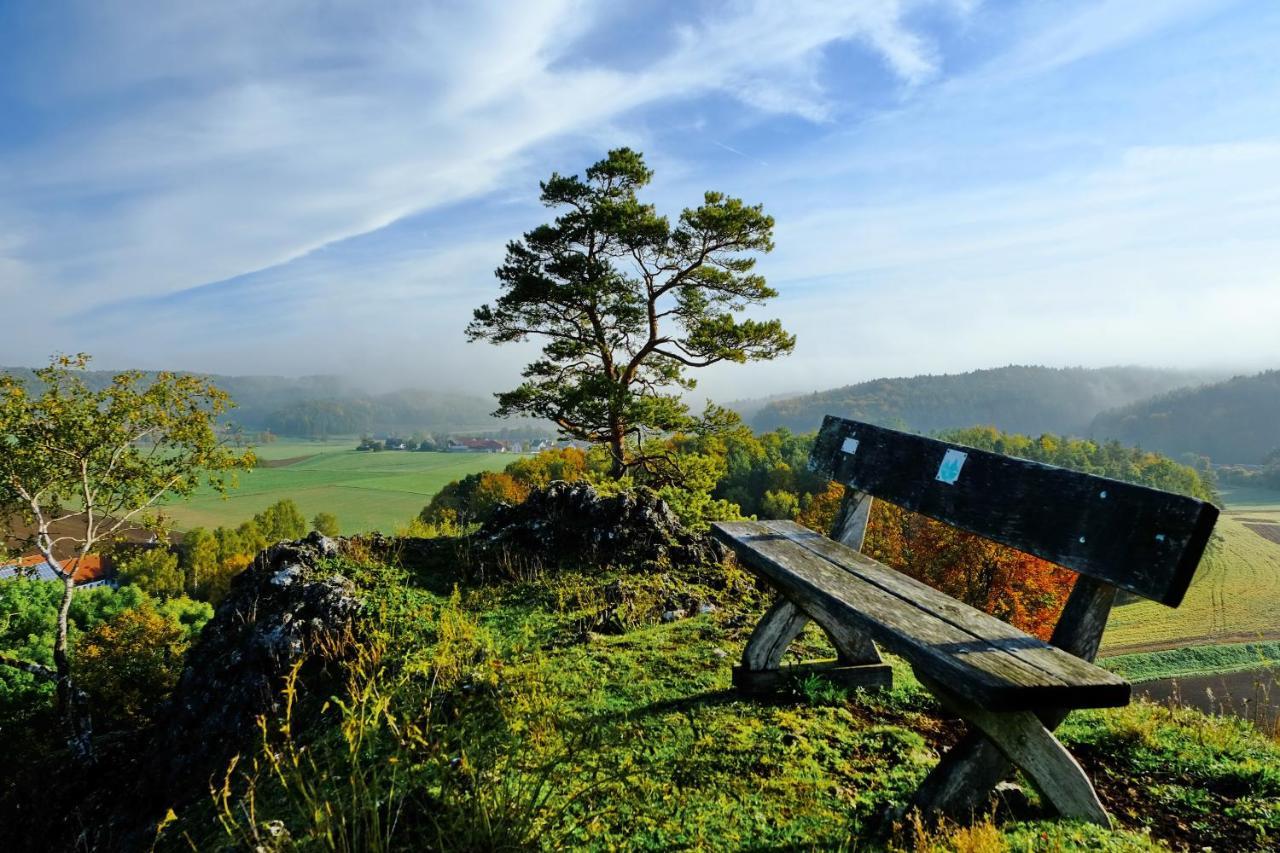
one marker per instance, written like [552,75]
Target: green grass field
[1195,660]
[1234,598]
[367,491]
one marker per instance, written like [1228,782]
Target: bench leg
[779,626]
[857,662]
[964,778]
[975,765]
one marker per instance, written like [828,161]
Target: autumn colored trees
[1020,589]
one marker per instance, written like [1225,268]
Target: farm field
[1236,594]
[367,491]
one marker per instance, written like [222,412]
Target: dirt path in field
[1214,640]
[1269,531]
[282,463]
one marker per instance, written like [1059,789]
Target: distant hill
[1021,399]
[327,405]
[748,406]
[403,412]
[1231,422]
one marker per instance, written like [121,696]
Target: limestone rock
[572,523]
[280,610]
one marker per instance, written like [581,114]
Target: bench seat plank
[975,655]
[1054,661]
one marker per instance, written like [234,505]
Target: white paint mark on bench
[952,462]
[850,446]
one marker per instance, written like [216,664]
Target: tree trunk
[71,705]
[617,448]
[618,468]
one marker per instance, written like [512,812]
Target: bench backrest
[1136,538]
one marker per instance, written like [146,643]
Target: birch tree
[83,467]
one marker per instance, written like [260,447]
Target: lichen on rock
[283,611]
[573,524]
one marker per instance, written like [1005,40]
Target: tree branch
[37,669]
[686,361]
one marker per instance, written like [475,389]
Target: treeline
[256,397]
[399,411]
[202,566]
[1231,422]
[322,406]
[1266,476]
[1104,459]
[725,470]
[1023,399]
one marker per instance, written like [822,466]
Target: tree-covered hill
[1016,398]
[1236,421]
[319,405]
[396,412]
[256,397]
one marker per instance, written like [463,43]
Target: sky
[326,187]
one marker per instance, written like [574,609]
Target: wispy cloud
[275,131]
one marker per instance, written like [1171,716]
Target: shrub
[130,663]
[154,570]
[326,523]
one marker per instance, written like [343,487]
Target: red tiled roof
[88,569]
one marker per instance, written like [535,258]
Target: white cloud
[285,128]
[1095,27]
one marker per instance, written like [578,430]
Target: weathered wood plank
[779,626]
[1139,539]
[1023,739]
[981,670]
[962,781]
[1060,664]
[960,784]
[850,529]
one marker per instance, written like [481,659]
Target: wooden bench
[1011,688]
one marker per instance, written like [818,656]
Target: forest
[1232,422]
[1026,399]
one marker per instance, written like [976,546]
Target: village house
[91,570]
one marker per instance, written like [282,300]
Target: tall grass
[442,748]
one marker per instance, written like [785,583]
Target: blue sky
[327,186]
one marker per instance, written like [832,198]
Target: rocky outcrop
[284,609]
[573,524]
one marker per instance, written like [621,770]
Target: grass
[1235,596]
[293,448]
[1194,660]
[367,491]
[491,719]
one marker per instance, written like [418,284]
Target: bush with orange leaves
[130,663]
[1020,589]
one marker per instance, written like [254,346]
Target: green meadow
[367,491]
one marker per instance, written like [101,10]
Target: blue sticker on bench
[952,462]
[850,446]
